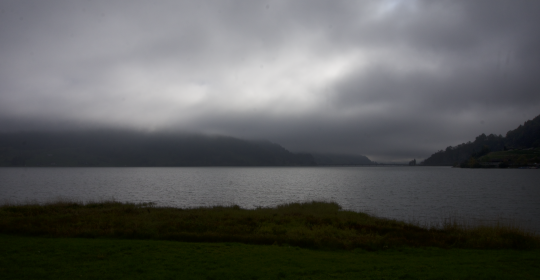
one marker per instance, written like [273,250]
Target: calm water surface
[424,194]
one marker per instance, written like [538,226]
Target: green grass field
[80,258]
[312,240]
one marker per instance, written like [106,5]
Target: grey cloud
[410,77]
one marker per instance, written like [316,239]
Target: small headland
[318,225]
[514,158]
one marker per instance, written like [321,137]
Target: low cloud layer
[393,80]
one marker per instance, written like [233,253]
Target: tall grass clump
[307,224]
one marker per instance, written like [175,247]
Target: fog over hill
[123,148]
[389,79]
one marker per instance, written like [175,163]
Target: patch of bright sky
[389,6]
[293,83]
[290,84]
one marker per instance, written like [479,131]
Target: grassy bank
[309,225]
[69,258]
[513,158]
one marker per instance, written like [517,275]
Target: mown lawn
[80,258]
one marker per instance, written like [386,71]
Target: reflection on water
[424,194]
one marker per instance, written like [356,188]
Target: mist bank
[526,136]
[117,148]
[124,148]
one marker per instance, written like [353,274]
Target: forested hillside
[525,136]
[113,148]
[336,159]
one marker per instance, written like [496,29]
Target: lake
[423,194]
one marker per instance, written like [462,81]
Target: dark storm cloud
[389,79]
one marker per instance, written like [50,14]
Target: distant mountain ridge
[524,136]
[113,148]
[341,159]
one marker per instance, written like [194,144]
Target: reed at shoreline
[321,225]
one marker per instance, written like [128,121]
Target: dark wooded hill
[340,159]
[114,148]
[524,137]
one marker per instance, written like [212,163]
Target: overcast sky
[392,80]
